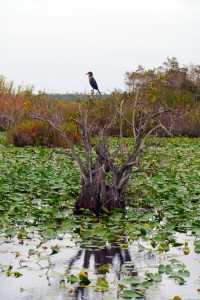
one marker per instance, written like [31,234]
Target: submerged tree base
[99,198]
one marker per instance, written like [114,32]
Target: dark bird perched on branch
[93,82]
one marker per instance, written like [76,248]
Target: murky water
[42,273]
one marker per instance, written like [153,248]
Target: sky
[51,44]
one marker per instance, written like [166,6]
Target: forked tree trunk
[98,193]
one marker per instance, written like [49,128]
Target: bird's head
[90,74]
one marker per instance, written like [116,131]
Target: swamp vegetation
[98,215]
[149,251]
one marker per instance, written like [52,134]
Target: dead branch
[75,156]
[86,141]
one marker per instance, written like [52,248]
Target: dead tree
[104,185]
[104,182]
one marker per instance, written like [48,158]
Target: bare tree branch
[86,141]
[75,156]
[134,114]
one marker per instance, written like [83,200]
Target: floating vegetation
[122,255]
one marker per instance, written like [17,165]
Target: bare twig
[75,156]
[134,114]
[86,141]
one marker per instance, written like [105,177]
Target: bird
[93,82]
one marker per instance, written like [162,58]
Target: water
[43,273]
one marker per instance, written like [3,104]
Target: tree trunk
[99,196]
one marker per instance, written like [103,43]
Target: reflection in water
[112,255]
[33,285]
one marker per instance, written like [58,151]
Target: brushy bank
[178,87]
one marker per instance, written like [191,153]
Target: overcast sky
[51,44]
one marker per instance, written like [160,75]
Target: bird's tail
[99,92]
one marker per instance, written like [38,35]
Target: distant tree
[171,64]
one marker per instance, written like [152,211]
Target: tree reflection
[91,259]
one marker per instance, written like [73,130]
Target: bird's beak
[86,73]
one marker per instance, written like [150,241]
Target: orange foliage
[17,108]
[11,110]
[39,133]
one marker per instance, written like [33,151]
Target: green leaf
[156,277]
[103,269]
[17,274]
[197,246]
[55,249]
[161,269]
[72,279]
[102,285]
[131,280]
[130,294]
